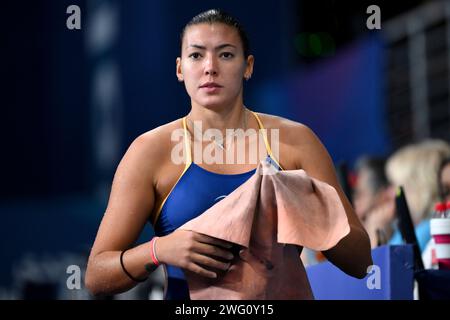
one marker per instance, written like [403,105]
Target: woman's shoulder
[154,145]
[290,130]
[297,142]
[158,137]
[274,121]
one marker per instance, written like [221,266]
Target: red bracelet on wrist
[153,252]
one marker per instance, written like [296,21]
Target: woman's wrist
[126,271]
[156,251]
[154,261]
[153,253]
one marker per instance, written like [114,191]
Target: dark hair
[376,168]
[219,16]
[443,164]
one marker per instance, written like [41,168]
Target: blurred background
[74,100]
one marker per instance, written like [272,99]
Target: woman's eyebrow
[197,46]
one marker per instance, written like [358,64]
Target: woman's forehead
[205,34]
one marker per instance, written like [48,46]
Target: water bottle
[440,231]
[438,213]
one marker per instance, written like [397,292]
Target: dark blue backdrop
[48,196]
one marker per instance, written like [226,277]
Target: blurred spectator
[444,193]
[416,167]
[444,180]
[374,199]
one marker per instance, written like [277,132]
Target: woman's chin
[212,103]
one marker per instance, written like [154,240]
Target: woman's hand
[194,251]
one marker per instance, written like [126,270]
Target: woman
[150,185]
[444,180]
[416,168]
[374,199]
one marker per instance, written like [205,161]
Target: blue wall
[341,100]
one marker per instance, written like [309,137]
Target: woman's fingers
[214,241]
[213,250]
[201,271]
[210,262]
[198,253]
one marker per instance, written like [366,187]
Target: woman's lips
[211,88]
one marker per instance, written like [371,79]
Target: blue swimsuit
[195,191]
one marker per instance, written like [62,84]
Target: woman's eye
[194,55]
[227,55]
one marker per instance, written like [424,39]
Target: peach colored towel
[269,218]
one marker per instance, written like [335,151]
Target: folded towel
[269,218]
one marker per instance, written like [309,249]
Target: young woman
[150,186]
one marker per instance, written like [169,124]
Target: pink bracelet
[153,252]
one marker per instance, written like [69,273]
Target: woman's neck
[231,117]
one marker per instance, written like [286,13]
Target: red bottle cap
[448,205]
[440,206]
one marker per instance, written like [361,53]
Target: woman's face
[212,64]
[445,182]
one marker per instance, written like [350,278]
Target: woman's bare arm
[130,203]
[352,254]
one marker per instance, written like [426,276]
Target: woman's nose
[211,66]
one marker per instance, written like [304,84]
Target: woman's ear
[179,73]
[249,67]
